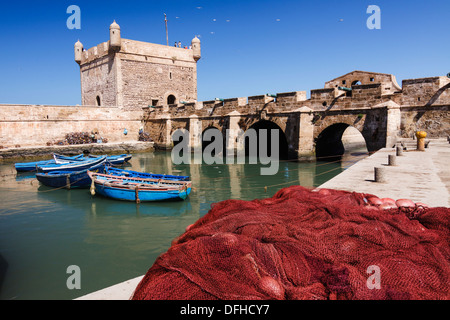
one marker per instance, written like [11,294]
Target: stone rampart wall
[33,125]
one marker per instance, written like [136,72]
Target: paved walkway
[419,176]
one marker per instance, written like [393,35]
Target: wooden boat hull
[130,173]
[31,166]
[110,160]
[130,194]
[138,189]
[68,179]
[71,166]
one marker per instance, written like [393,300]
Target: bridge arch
[282,142]
[338,138]
[215,132]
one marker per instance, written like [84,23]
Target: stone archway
[330,144]
[213,133]
[281,144]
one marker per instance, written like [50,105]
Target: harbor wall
[34,125]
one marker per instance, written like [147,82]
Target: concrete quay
[422,176]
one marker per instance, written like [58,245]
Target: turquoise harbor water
[43,231]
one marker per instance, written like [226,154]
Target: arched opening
[209,136]
[171,99]
[338,139]
[97,99]
[281,143]
[178,136]
[356,83]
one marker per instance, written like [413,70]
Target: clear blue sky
[248,47]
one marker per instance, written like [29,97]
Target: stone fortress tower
[133,74]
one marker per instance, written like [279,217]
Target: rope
[68,185]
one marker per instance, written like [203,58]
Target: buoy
[92,188]
[271,287]
[68,181]
[405,203]
[375,201]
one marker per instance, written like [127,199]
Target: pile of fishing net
[307,244]
[144,136]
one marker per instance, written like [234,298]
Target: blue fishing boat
[69,179]
[130,173]
[31,166]
[138,189]
[111,160]
[71,166]
[57,156]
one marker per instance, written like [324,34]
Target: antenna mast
[167,33]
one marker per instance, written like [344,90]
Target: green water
[43,231]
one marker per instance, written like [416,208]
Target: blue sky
[248,47]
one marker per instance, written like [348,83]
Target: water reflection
[44,230]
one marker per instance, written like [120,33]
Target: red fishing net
[304,244]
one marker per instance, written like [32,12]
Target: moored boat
[111,160]
[129,173]
[72,166]
[138,189]
[69,179]
[31,166]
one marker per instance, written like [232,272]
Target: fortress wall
[426,91]
[434,120]
[32,125]
[143,82]
[99,79]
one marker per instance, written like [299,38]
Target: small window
[98,100]
[170,75]
[154,103]
[171,99]
[418,99]
[324,103]
[372,79]
[356,83]
[344,82]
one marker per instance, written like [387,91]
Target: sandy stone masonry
[128,84]
[373,103]
[133,74]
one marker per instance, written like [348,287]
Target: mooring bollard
[421,135]
[392,160]
[380,174]
[399,151]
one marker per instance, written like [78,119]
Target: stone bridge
[373,103]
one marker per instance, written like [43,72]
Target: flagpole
[167,33]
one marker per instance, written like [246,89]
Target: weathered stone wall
[98,79]
[388,82]
[426,91]
[30,125]
[145,82]
[434,120]
[138,74]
